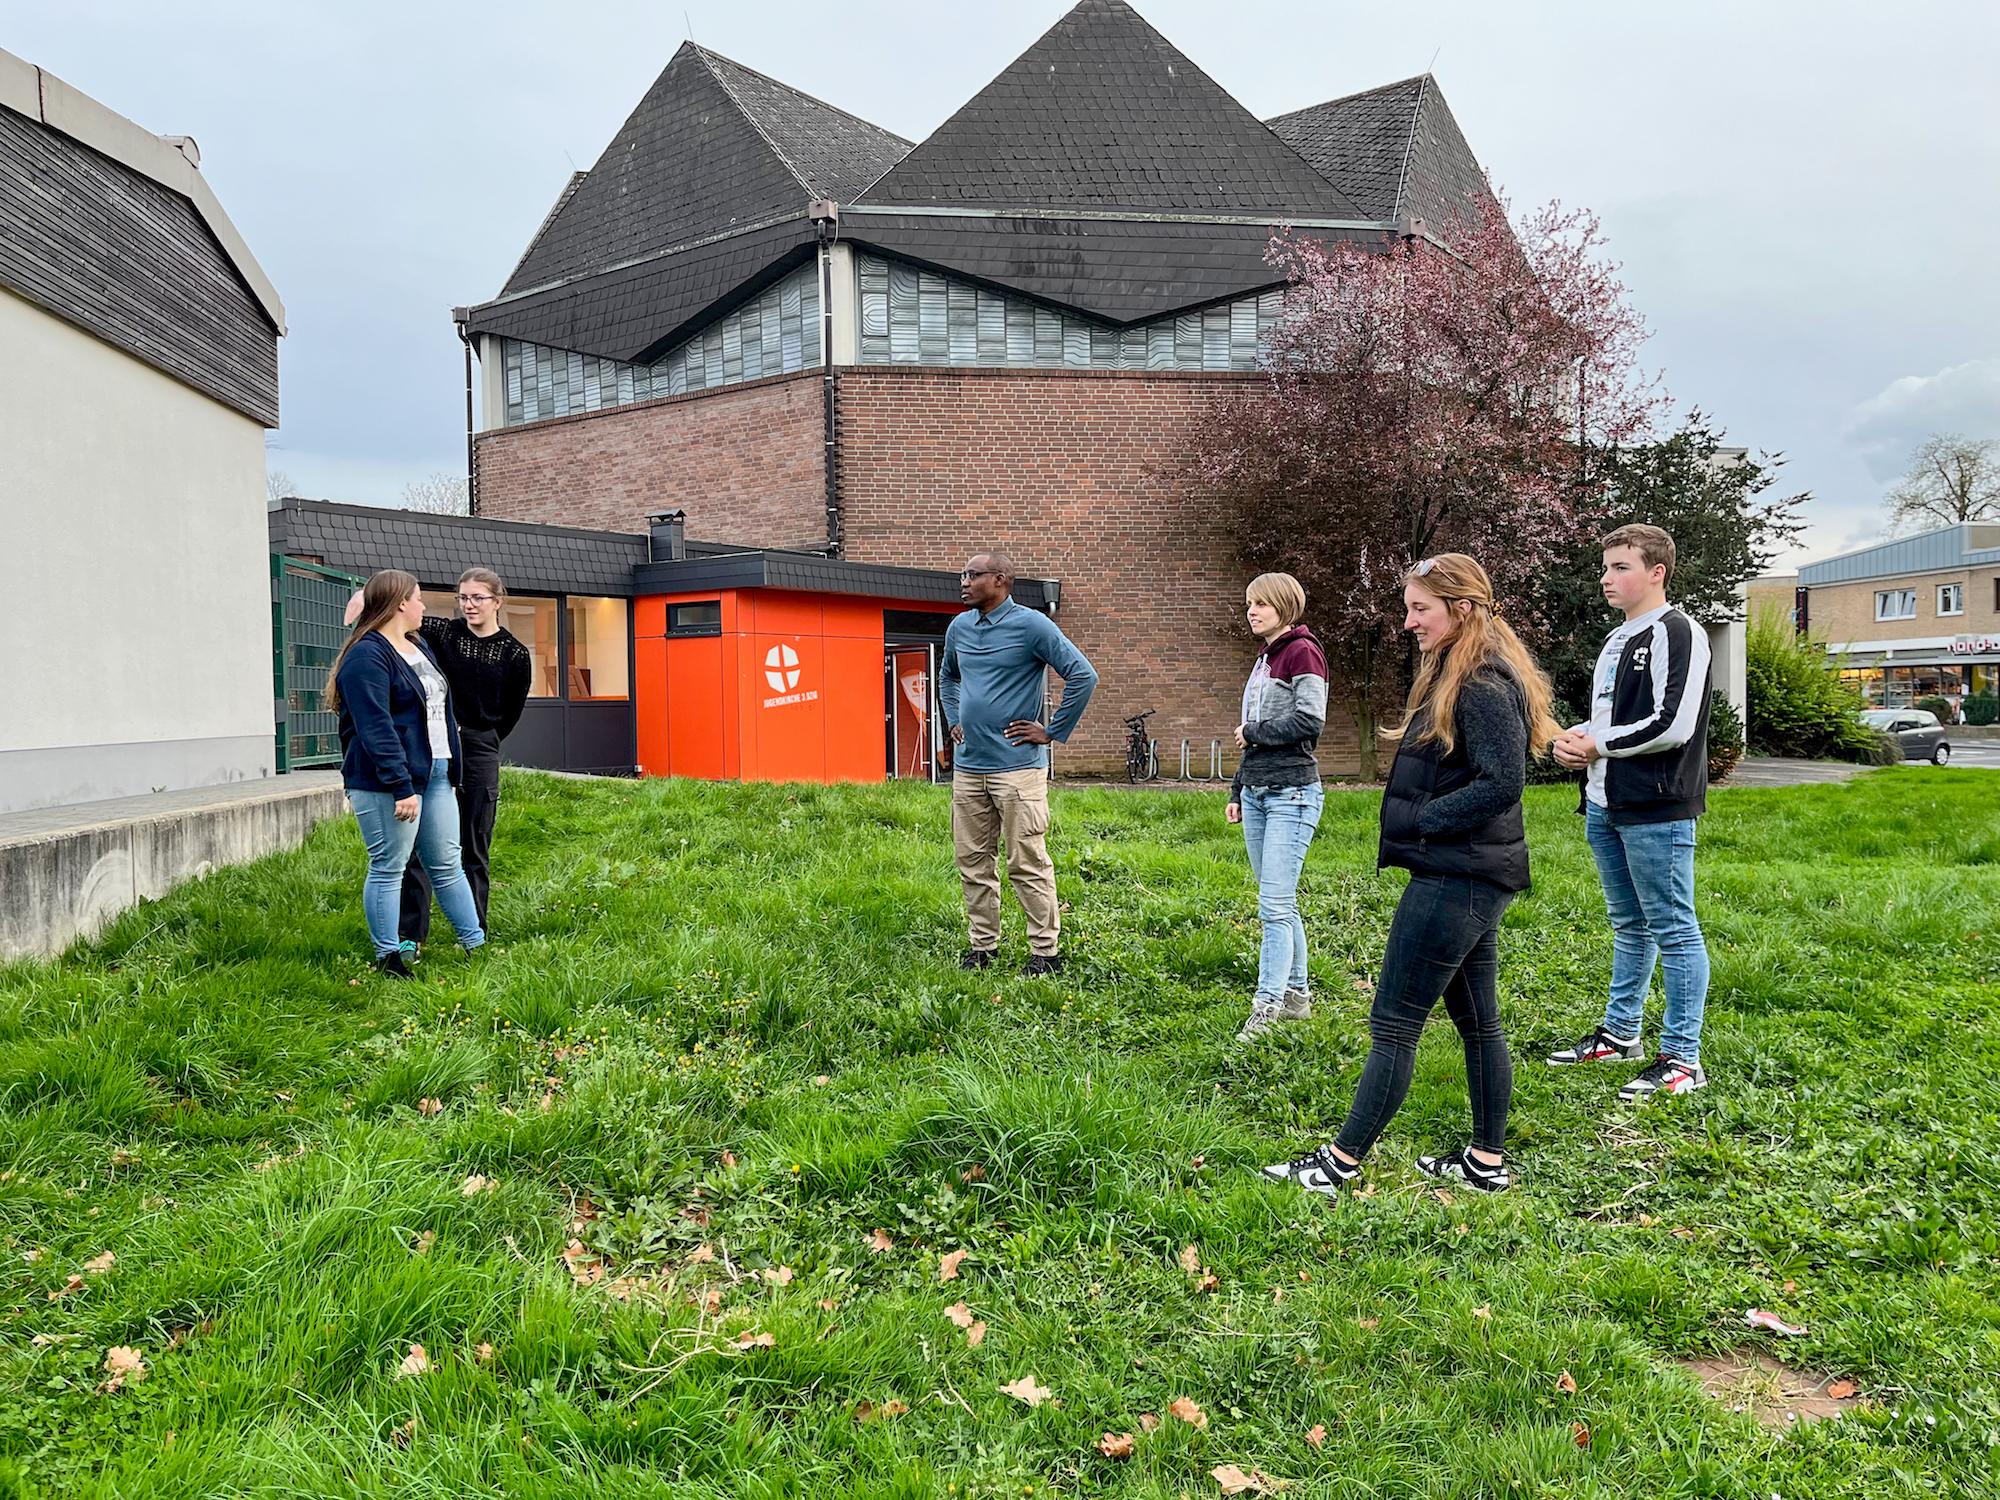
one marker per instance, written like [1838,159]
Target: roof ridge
[563,195]
[1410,145]
[813,99]
[709,61]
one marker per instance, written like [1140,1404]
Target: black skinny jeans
[1444,942]
[478,802]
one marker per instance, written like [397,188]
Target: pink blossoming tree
[1421,398]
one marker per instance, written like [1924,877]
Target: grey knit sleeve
[1495,736]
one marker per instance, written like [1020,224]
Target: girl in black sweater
[1451,816]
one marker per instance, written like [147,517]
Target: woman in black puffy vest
[1451,816]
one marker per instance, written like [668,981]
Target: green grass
[730,1017]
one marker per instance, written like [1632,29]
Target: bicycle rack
[1186,766]
[1215,760]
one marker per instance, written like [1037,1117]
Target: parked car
[1917,730]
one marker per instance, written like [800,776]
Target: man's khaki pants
[986,807]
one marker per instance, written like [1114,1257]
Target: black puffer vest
[1496,851]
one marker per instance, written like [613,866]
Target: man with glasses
[991,687]
[490,672]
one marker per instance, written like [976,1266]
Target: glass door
[914,725]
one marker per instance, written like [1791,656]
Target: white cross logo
[781,668]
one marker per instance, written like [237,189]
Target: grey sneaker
[1296,1006]
[1264,1014]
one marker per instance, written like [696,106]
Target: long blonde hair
[1481,639]
[383,594]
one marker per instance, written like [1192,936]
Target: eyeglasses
[1424,567]
[978,573]
[475,598]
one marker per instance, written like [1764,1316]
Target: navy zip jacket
[385,737]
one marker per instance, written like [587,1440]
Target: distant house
[138,373]
[810,334]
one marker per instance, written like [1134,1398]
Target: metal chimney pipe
[667,536]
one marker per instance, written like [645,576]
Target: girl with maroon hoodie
[1276,795]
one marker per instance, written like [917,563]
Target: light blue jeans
[1278,825]
[434,836]
[1647,870]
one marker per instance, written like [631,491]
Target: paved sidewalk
[75,817]
[1772,770]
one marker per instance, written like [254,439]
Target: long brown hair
[383,594]
[1481,639]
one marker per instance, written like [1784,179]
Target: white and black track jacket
[1649,716]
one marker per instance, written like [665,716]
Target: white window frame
[1883,598]
[1941,588]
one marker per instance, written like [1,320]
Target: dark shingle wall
[131,262]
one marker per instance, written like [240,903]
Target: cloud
[1959,398]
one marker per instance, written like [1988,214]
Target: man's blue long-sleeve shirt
[993,672]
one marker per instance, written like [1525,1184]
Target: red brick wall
[745,462]
[1072,474]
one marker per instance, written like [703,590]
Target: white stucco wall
[135,621]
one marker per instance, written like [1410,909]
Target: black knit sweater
[489,675]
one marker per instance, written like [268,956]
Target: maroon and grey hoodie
[1284,711]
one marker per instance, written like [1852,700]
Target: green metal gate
[307,602]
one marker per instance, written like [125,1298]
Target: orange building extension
[792,688]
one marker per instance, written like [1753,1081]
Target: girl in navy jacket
[399,760]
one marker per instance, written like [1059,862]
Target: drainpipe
[471,464]
[825,215]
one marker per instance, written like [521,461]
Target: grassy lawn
[723,1043]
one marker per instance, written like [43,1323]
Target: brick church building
[810,334]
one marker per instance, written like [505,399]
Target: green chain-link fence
[306,605]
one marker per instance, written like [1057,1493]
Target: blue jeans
[434,836]
[1648,874]
[1278,824]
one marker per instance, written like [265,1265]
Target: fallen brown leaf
[728,1160]
[975,1335]
[31,1256]
[1484,1312]
[1191,1260]
[416,1362]
[1116,1444]
[68,1288]
[1305,1277]
[701,1255]
[429,1107]
[1316,1434]
[1566,1383]
[584,1267]
[749,1340]
[421,1245]
[948,1265]
[122,1158]
[1148,1422]
[1026,1391]
[894,1408]
[483,1353]
[476,1184]
[1366,1190]
[405,1435]
[125,1365]
[1208,1283]
[1843,1390]
[1581,1432]
[1683,1233]
[821,1081]
[1371,1324]
[1443,1195]
[97,1265]
[1235,1482]
[1790,1287]
[960,1314]
[1188,1412]
[974,1173]
[1198,1162]
[879,1243]
[827,1304]
[1277,1294]
[780,1276]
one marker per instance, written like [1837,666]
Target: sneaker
[411,950]
[1264,1014]
[977,958]
[1317,1172]
[1599,1046]
[1041,965]
[1462,1166]
[1664,1075]
[394,965]
[1296,1006]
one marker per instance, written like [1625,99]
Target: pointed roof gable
[1396,150]
[713,149]
[1105,113]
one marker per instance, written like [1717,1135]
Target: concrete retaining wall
[65,872]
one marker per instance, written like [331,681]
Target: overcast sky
[1803,194]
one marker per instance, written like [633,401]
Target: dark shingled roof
[361,539]
[1397,150]
[713,149]
[1105,113]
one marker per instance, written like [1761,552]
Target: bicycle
[1142,751]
